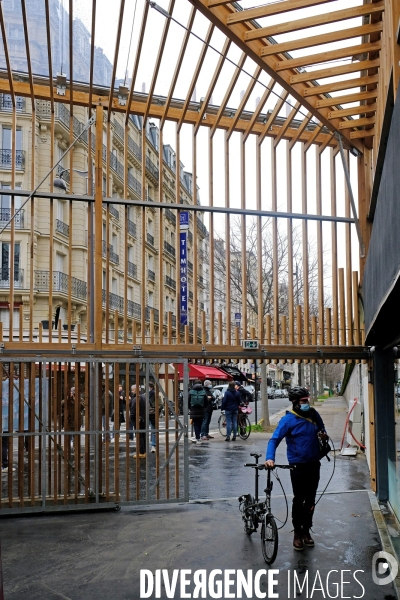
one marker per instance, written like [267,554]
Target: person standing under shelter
[139,424]
[230,404]
[197,401]
[152,415]
[208,410]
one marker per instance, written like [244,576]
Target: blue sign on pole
[184,220]
[183,277]
[238,318]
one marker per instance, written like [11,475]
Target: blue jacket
[301,435]
[231,400]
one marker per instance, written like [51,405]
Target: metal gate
[69,436]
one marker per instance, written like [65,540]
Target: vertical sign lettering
[183,267]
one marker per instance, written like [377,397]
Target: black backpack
[197,398]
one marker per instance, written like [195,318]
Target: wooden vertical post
[98,204]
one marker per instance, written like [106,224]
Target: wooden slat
[354,110]
[341,85]
[314,21]
[335,71]
[273,8]
[364,133]
[244,100]
[286,124]
[228,93]
[327,56]
[358,97]
[259,108]
[196,74]
[356,123]
[318,40]
[213,83]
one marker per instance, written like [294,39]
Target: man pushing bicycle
[303,429]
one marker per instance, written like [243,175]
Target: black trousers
[305,479]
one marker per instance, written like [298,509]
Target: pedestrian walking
[302,427]
[197,401]
[230,404]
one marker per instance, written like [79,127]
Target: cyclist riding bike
[302,427]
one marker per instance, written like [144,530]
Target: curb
[384,536]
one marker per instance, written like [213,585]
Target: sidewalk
[99,555]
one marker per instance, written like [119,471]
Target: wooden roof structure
[328,64]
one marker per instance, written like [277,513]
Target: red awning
[203,372]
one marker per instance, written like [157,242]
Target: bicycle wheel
[222,425]
[248,516]
[269,539]
[244,426]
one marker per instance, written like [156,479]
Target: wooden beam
[363,133]
[341,85]
[358,97]
[213,83]
[314,21]
[259,108]
[356,123]
[244,100]
[287,123]
[254,49]
[335,71]
[318,40]
[354,110]
[269,9]
[331,55]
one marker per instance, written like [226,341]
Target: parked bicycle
[244,425]
[256,512]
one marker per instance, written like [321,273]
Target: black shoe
[307,539]
[227,439]
[234,438]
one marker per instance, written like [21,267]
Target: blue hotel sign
[183,267]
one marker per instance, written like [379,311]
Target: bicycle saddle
[255,454]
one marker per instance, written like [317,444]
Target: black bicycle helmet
[297,393]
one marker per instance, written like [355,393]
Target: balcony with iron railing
[150,239]
[201,280]
[134,184]
[63,173]
[170,249]
[60,283]
[152,168]
[62,228]
[6,103]
[190,237]
[113,211]
[170,282]
[5,216]
[171,216]
[156,314]
[151,275]
[190,295]
[115,302]
[190,266]
[134,310]
[116,166]
[132,229]
[5,278]
[201,227]
[114,257]
[6,157]
[173,319]
[132,269]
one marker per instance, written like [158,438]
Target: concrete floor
[99,555]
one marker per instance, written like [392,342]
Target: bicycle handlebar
[262,467]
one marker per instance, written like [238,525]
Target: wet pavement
[100,555]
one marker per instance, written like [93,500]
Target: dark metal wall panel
[382,269]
